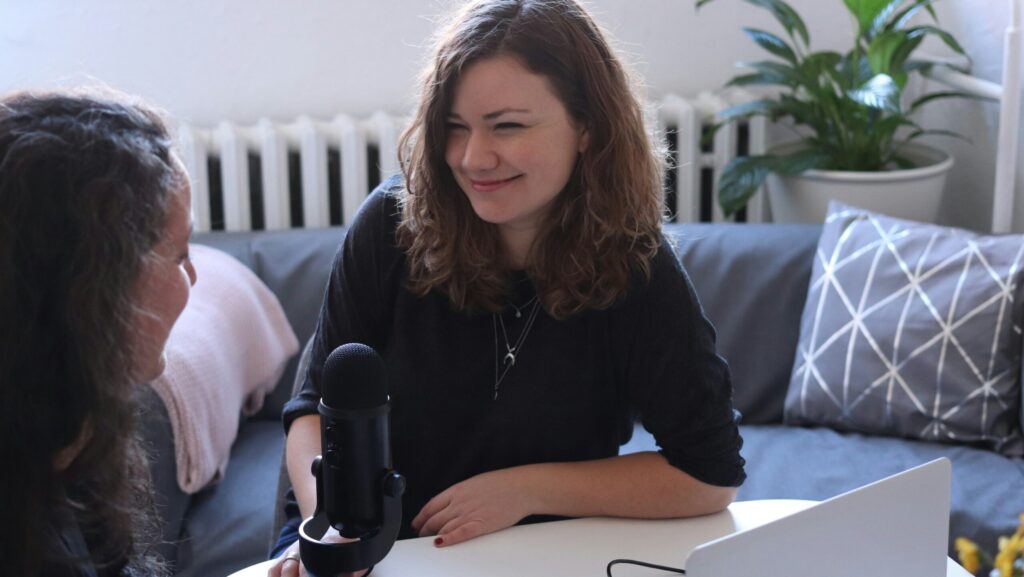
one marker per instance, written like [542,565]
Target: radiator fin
[315,173]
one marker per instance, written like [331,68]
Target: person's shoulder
[664,279]
[665,268]
[384,203]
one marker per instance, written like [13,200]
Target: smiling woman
[512,147]
[522,296]
[94,227]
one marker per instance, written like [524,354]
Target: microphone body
[356,456]
[354,438]
[357,492]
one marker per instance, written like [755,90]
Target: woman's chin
[150,370]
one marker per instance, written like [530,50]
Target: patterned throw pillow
[911,330]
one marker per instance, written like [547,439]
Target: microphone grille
[353,378]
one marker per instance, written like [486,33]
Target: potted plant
[848,110]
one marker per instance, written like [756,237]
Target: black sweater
[572,394]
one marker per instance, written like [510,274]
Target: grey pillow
[911,330]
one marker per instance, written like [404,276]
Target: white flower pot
[913,194]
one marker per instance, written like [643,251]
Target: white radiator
[312,173]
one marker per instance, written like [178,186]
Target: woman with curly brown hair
[518,287]
[94,228]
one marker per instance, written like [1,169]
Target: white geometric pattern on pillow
[911,330]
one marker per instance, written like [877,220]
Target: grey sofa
[752,280]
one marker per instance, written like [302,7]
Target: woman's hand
[479,505]
[289,565]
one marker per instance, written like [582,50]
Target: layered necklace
[502,365]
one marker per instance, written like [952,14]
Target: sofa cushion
[752,280]
[225,353]
[229,524]
[294,264]
[912,330]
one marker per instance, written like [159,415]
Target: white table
[577,547]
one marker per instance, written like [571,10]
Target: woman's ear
[584,139]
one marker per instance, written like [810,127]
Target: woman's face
[163,286]
[512,145]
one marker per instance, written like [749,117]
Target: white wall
[210,60]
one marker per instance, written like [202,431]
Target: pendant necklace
[519,309]
[509,360]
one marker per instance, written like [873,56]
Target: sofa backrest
[751,279]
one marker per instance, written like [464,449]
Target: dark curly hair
[603,227]
[85,185]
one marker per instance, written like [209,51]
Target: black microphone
[357,492]
[356,452]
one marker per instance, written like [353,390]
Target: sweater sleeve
[675,379]
[355,306]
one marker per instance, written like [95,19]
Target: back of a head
[85,182]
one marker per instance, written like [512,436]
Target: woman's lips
[490,185]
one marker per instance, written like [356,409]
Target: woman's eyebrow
[497,113]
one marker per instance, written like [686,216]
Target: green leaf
[880,20]
[799,161]
[802,112]
[771,43]
[701,3]
[744,175]
[882,49]
[945,36]
[881,92]
[900,20]
[865,11]
[768,73]
[786,16]
[903,52]
[817,64]
[762,107]
[740,180]
[707,137]
[918,65]
[855,70]
[937,95]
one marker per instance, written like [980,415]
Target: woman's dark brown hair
[85,183]
[603,227]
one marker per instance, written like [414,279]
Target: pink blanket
[225,354]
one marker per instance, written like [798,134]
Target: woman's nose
[479,153]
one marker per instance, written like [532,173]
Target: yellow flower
[1008,551]
[967,550]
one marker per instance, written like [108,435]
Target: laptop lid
[896,527]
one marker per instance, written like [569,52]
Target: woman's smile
[491,185]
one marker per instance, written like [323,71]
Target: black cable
[642,564]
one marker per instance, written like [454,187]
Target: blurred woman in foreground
[94,271]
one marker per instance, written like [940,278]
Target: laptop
[895,527]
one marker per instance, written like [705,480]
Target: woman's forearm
[301,447]
[640,485]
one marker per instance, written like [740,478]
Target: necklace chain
[519,309]
[509,360]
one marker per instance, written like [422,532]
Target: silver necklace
[509,360]
[519,309]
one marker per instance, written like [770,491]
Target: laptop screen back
[896,527]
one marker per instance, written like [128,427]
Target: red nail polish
[438,542]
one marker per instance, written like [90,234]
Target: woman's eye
[507,126]
[450,126]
